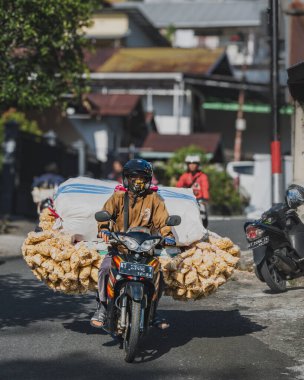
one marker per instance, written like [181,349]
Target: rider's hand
[105,235]
[169,241]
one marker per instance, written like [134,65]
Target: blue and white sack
[77,200]
[182,202]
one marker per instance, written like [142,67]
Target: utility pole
[240,123]
[276,161]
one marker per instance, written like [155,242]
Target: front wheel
[133,330]
[272,277]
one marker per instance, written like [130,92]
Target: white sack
[182,202]
[77,200]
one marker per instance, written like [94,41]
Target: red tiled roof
[112,105]
[209,142]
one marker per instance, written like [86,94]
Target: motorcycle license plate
[258,243]
[138,270]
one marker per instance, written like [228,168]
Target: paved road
[232,227]
[239,333]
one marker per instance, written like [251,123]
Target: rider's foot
[160,323]
[98,319]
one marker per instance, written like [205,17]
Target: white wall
[100,135]
[169,125]
[261,196]
[185,39]
[167,118]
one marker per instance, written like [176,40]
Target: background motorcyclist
[197,180]
[45,186]
[50,179]
[146,209]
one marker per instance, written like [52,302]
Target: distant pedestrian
[116,173]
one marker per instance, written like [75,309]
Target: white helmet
[192,159]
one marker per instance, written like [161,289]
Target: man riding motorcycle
[144,208]
[197,180]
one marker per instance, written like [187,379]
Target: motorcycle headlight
[129,242]
[149,244]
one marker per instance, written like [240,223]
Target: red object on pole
[276,162]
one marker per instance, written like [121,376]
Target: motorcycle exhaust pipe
[123,312]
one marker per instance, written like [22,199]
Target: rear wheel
[257,271]
[272,277]
[133,330]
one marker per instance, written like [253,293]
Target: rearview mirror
[102,216]
[173,220]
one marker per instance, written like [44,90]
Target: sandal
[160,323]
[99,318]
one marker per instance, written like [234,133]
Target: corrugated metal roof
[147,60]
[111,105]
[139,18]
[201,14]
[209,142]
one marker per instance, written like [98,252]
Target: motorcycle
[133,284]
[277,241]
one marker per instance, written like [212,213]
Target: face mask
[137,185]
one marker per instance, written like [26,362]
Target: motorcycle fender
[135,291]
[259,254]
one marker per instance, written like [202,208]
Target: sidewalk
[10,243]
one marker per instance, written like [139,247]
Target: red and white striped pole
[276,159]
[277,173]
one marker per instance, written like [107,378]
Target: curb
[9,258]
[224,217]
[10,245]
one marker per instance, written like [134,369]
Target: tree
[41,50]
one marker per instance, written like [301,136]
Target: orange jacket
[198,182]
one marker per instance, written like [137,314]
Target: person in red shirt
[197,180]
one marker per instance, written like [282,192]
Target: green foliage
[41,49]
[224,199]
[169,33]
[24,125]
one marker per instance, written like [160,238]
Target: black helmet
[140,168]
[294,196]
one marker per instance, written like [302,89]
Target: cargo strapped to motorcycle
[126,211]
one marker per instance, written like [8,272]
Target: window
[244,169]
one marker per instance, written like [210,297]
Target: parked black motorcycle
[277,241]
[133,283]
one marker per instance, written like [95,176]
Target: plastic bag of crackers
[73,269]
[200,270]
[63,266]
